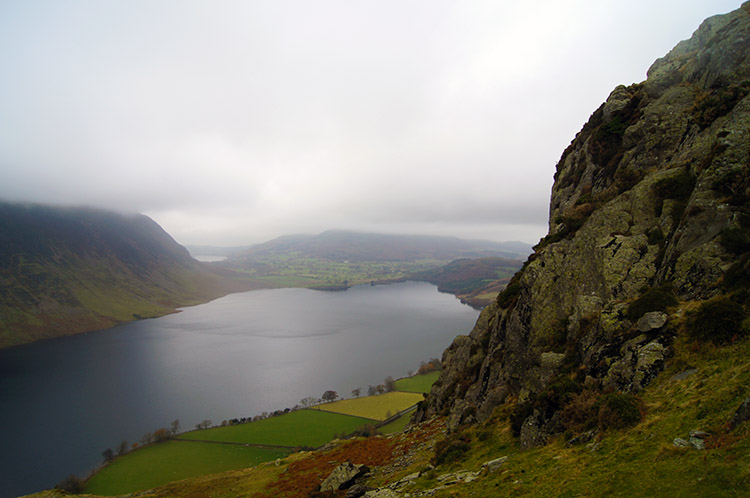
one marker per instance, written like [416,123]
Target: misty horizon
[233,123]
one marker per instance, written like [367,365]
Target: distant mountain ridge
[342,245]
[65,270]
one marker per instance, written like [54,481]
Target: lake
[66,400]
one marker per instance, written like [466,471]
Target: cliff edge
[649,223]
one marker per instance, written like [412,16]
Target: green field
[190,455]
[397,425]
[311,428]
[302,271]
[417,383]
[374,407]
[161,463]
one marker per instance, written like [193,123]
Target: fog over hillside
[232,123]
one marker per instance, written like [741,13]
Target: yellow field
[374,407]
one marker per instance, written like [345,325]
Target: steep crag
[649,217]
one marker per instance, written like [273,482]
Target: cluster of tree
[430,366]
[310,401]
[71,484]
[205,424]
[158,436]
[387,386]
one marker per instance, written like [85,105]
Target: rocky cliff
[69,270]
[649,219]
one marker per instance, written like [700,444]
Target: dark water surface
[63,401]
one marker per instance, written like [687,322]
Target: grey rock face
[357,491]
[651,321]
[742,414]
[495,464]
[637,203]
[382,493]
[343,476]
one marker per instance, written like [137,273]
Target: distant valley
[70,270]
[336,260]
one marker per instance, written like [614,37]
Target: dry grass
[374,407]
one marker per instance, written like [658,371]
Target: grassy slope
[158,464]
[417,383]
[374,407]
[640,461]
[299,428]
[161,463]
[69,270]
[397,425]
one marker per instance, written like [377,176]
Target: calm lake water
[63,401]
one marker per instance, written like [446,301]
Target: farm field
[161,463]
[282,271]
[220,449]
[378,407]
[310,428]
[397,425]
[417,383]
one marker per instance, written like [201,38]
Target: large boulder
[343,476]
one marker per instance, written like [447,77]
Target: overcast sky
[232,122]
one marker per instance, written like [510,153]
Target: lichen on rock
[652,193]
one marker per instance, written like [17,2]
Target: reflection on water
[64,401]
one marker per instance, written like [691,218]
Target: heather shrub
[654,299]
[452,448]
[509,296]
[618,411]
[582,412]
[718,320]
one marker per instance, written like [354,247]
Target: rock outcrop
[649,209]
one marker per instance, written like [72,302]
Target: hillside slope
[336,260]
[649,222]
[474,281]
[340,245]
[69,270]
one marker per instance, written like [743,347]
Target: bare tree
[160,435]
[205,424]
[108,455]
[308,401]
[174,427]
[356,392]
[71,484]
[390,384]
[122,448]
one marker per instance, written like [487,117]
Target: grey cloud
[231,122]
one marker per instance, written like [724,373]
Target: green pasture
[311,428]
[161,463]
[220,449]
[374,407]
[397,425]
[301,271]
[417,383]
